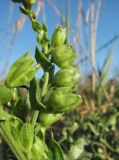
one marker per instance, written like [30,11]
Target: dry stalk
[93,46]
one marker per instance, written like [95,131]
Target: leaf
[16,136]
[76,149]
[34,95]
[27,136]
[26,11]
[56,149]
[5,94]
[38,150]
[105,69]
[4,116]
[42,59]
[21,72]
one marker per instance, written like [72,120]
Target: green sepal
[42,59]
[59,36]
[67,77]
[5,94]
[63,56]
[34,95]
[61,100]
[27,136]
[21,72]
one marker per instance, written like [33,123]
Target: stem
[11,142]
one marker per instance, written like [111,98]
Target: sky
[25,39]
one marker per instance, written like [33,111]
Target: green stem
[11,142]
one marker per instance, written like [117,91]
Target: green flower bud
[30,2]
[67,77]
[63,56]
[22,71]
[59,36]
[48,118]
[61,100]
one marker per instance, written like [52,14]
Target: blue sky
[26,38]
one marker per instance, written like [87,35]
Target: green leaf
[105,69]
[4,116]
[27,136]
[27,12]
[22,71]
[56,149]
[42,59]
[34,95]
[16,136]
[5,94]
[38,150]
[36,26]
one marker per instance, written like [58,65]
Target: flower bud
[63,56]
[67,77]
[48,118]
[61,100]
[30,2]
[59,36]
[21,72]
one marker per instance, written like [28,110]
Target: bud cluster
[63,97]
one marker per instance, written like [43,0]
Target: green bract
[67,77]
[22,71]
[61,100]
[63,55]
[59,36]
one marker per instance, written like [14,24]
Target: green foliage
[5,94]
[28,106]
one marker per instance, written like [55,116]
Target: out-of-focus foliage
[92,132]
